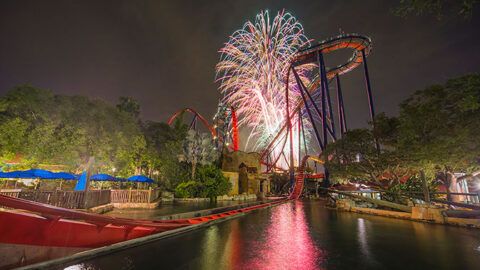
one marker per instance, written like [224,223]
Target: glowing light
[287,243]
[252,71]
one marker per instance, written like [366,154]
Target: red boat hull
[29,229]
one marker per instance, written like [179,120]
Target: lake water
[305,235]
[169,208]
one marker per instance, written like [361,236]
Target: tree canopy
[436,132]
[58,129]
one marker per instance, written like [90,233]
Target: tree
[355,158]
[436,7]
[130,106]
[164,146]
[439,128]
[199,149]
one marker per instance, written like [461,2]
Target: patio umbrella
[102,177]
[37,173]
[34,173]
[9,174]
[64,175]
[140,178]
[106,177]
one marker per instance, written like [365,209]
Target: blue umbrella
[64,175]
[140,178]
[38,173]
[34,173]
[9,174]
[105,177]
[102,177]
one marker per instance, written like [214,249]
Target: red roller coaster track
[212,130]
[198,115]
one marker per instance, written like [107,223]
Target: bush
[187,189]
[213,183]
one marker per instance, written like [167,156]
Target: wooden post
[149,194]
[130,195]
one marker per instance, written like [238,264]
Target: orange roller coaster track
[214,134]
[212,130]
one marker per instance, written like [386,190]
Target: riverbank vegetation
[435,136]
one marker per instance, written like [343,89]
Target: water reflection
[362,240]
[362,237]
[305,235]
[286,243]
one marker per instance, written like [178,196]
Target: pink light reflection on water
[286,243]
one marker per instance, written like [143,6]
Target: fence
[76,199]
[134,195]
[10,192]
[64,199]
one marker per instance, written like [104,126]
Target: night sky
[163,53]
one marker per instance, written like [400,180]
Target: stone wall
[232,160]
[233,178]
[244,172]
[242,197]
[420,213]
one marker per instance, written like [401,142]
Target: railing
[10,192]
[97,197]
[64,199]
[134,195]
[76,199]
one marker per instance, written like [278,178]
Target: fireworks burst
[252,71]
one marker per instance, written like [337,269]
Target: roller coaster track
[210,128]
[361,46]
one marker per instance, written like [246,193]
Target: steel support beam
[341,108]
[324,80]
[369,93]
[319,140]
